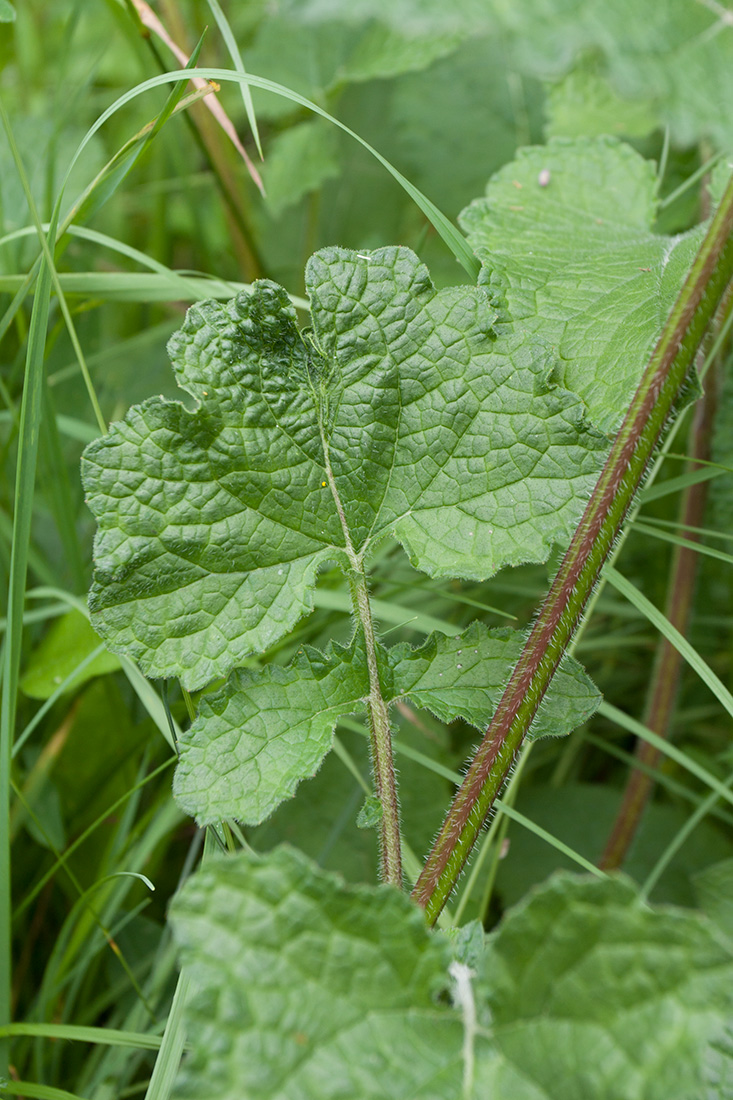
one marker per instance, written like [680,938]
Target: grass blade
[231,44]
[30,423]
[455,240]
[673,636]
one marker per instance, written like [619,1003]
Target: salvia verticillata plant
[480,427]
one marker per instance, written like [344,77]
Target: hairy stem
[622,474]
[385,783]
[662,691]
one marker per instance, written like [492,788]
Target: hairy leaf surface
[404,411]
[594,994]
[463,677]
[582,992]
[267,729]
[343,980]
[566,231]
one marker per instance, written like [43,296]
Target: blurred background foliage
[447,93]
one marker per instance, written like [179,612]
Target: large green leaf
[299,161]
[318,49]
[321,821]
[566,230]
[68,643]
[593,994]
[585,104]
[309,989]
[463,677]
[676,56]
[267,729]
[404,412]
[256,738]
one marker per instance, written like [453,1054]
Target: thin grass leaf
[111,182]
[55,478]
[386,611]
[455,241]
[41,615]
[402,749]
[30,418]
[38,1092]
[172,1045]
[677,540]
[704,532]
[85,910]
[149,19]
[678,840]
[231,44]
[553,841]
[88,194]
[109,178]
[106,1036]
[673,636]
[50,702]
[676,484]
[177,280]
[105,816]
[37,563]
[174,1037]
[628,723]
[690,182]
[660,777]
[144,690]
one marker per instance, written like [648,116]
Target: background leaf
[565,231]
[585,104]
[316,50]
[68,642]
[714,890]
[347,981]
[666,981]
[300,159]
[676,55]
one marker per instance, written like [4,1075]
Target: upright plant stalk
[380,739]
[645,420]
[662,691]
[381,743]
